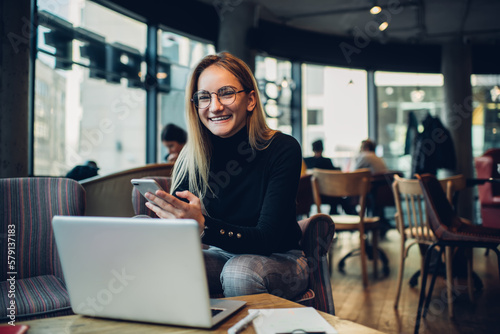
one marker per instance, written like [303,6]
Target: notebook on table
[139,269]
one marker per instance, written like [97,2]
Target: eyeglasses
[226,96]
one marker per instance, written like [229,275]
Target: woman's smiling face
[224,120]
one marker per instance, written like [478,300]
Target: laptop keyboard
[216,311]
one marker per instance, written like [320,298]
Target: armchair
[27,206]
[317,236]
[489,192]
[304,196]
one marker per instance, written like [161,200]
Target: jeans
[282,274]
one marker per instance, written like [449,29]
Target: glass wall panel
[89,101]
[177,56]
[335,109]
[400,95]
[276,87]
[486,113]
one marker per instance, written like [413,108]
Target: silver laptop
[148,270]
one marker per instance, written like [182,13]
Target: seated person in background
[173,138]
[368,159]
[80,172]
[319,161]
[238,179]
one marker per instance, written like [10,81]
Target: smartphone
[146,185]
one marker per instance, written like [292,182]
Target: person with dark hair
[238,178]
[80,172]
[173,138]
[368,159]
[318,160]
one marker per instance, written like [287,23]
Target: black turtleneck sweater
[252,209]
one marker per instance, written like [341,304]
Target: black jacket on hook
[433,148]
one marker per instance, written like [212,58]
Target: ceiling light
[161,75]
[375,10]
[417,95]
[383,26]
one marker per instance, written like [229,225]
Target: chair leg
[498,257]
[375,252]
[423,250]
[414,278]
[449,279]
[422,287]
[385,262]
[470,279]
[431,286]
[362,237]
[400,274]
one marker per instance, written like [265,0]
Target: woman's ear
[252,101]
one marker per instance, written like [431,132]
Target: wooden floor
[373,306]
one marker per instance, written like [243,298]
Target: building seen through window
[398,96]
[274,77]
[335,108]
[177,54]
[486,113]
[90,101]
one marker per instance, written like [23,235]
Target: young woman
[238,179]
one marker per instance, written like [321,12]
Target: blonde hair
[194,159]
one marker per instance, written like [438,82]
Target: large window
[486,113]
[90,97]
[274,77]
[401,96]
[89,104]
[177,55]
[335,109]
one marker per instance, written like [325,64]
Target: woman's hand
[169,206]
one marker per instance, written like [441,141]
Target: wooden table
[82,324]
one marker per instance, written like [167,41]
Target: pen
[243,323]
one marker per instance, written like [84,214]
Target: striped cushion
[29,204]
[37,297]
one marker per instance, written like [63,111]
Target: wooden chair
[449,230]
[353,184]
[413,226]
